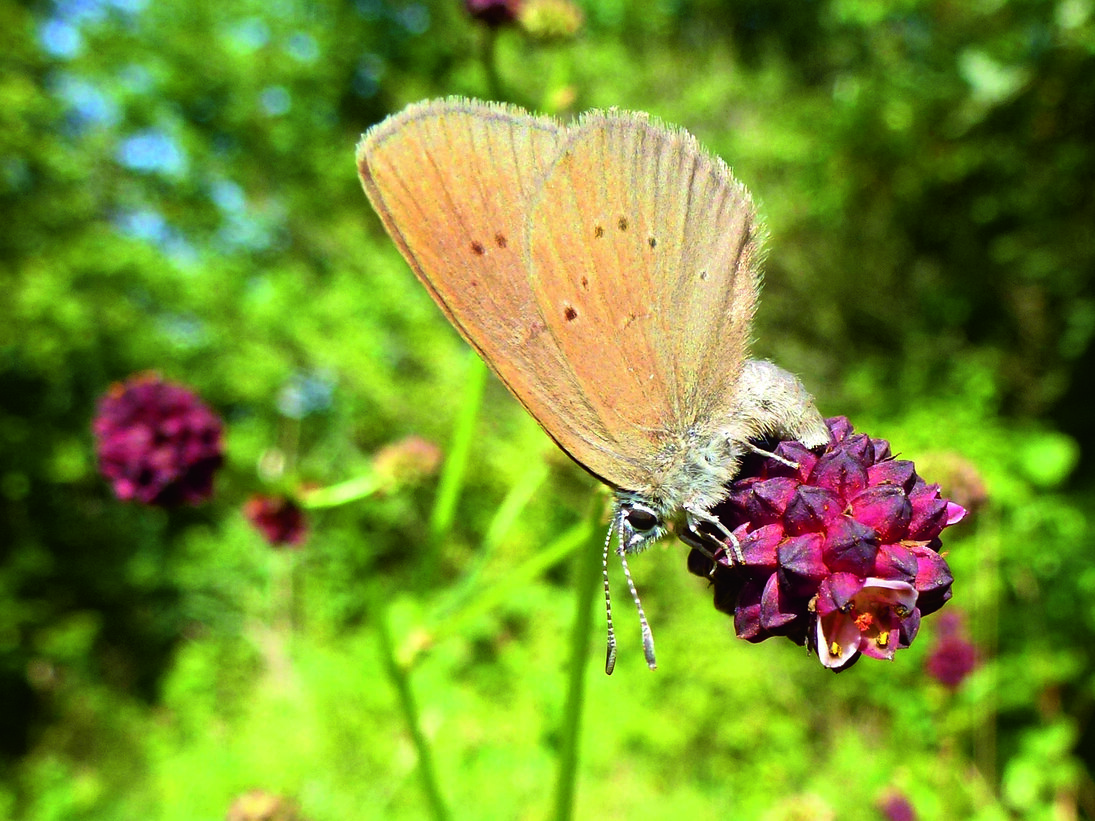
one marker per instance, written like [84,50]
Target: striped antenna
[610,658]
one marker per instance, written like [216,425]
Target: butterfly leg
[695,517]
[768,454]
[701,543]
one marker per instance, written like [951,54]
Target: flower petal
[893,472]
[768,499]
[886,509]
[929,515]
[747,622]
[759,547]
[837,640]
[841,473]
[955,513]
[777,609]
[800,564]
[810,509]
[895,561]
[850,547]
[933,579]
[839,428]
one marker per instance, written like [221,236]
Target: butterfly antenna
[610,658]
[648,637]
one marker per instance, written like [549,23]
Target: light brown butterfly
[607,271]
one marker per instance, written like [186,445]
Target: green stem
[505,517]
[587,567]
[452,474]
[348,491]
[510,587]
[522,492]
[398,674]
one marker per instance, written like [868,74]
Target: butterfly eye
[641,520]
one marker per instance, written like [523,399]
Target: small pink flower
[279,519]
[407,461]
[157,442]
[866,621]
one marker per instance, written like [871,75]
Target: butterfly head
[639,522]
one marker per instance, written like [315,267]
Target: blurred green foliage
[177,193]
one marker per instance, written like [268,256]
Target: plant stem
[587,567]
[401,681]
[452,474]
[456,616]
[349,491]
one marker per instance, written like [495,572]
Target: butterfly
[607,271]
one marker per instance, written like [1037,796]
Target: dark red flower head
[841,548]
[157,442]
[494,13]
[279,519]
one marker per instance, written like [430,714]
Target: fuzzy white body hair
[693,472]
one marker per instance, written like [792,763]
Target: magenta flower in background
[894,806]
[841,549]
[279,519]
[953,656]
[157,442]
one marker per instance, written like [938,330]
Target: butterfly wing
[644,263]
[452,181]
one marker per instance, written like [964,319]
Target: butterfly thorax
[693,469]
[692,473]
[695,466]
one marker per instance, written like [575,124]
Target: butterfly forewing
[452,181]
[643,253]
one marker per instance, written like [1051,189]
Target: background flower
[494,13]
[157,442]
[278,518]
[953,656]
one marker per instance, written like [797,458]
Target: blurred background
[178,195]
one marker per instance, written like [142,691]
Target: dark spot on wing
[598,231]
[501,240]
[621,223]
[585,283]
[570,314]
[478,249]
[703,275]
[653,242]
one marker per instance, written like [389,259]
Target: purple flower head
[279,519]
[494,13]
[840,548]
[157,442]
[953,656]
[894,806]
